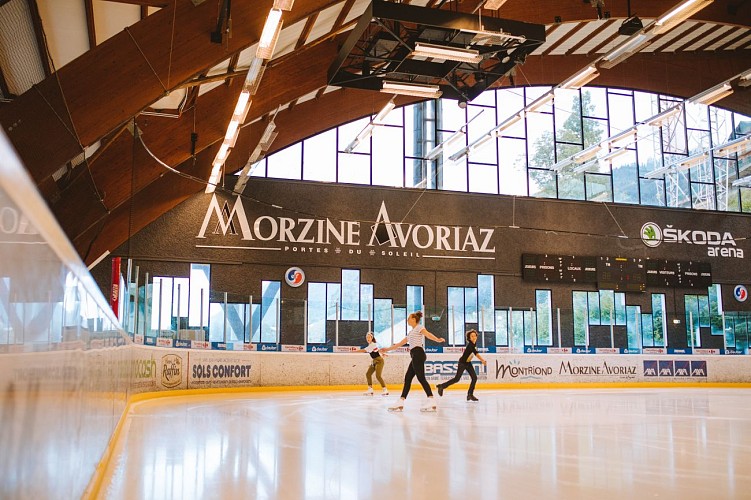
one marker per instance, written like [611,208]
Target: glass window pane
[647,329]
[543,306]
[625,178]
[517,329]
[541,144]
[486,301]
[198,314]
[621,111]
[455,175]
[542,183]
[607,306]
[470,305]
[319,157]
[388,157]
[652,192]
[286,164]
[633,326]
[316,312]
[581,318]
[350,295]
[659,324]
[595,102]
[530,328]
[366,302]
[354,168]
[382,321]
[599,188]
[271,293]
[483,178]
[349,131]
[571,186]
[400,323]
[512,158]
[593,302]
[456,315]
[501,329]
[620,309]
[333,301]
[414,299]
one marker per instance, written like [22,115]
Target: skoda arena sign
[718,244]
[317,235]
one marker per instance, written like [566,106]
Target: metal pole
[482,325]
[370,318]
[224,332]
[250,319]
[725,334]
[52,317]
[532,313]
[146,326]
[612,335]
[179,296]
[135,298]
[305,326]
[126,309]
[392,324]
[159,308]
[336,324]
[278,321]
[558,315]
[453,326]
[203,334]
[511,329]
[691,322]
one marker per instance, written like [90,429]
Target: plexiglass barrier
[64,369]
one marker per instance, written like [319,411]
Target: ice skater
[465,363]
[376,365]
[416,340]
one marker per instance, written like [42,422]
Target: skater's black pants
[459,370]
[416,368]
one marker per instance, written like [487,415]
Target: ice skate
[399,406]
[430,406]
[369,392]
[384,392]
[472,399]
[439,387]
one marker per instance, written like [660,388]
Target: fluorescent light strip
[734,146]
[416,90]
[745,80]
[253,78]
[383,113]
[659,119]
[625,50]
[493,4]
[581,78]
[562,164]
[678,14]
[442,52]
[713,95]
[436,151]
[742,182]
[540,102]
[614,154]
[585,166]
[587,154]
[283,4]
[506,124]
[625,138]
[692,161]
[270,34]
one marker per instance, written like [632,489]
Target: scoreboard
[559,268]
[679,274]
[621,274]
[616,273]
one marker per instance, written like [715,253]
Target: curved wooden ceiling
[171,81]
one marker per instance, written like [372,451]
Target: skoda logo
[294,277]
[651,234]
[740,293]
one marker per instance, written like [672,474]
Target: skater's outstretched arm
[431,336]
[395,346]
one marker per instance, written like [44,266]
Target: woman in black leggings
[465,363]
[416,340]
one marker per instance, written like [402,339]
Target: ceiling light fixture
[581,78]
[270,34]
[541,101]
[587,154]
[742,182]
[423,49]
[493,4]
[506,124]
[734,146]
[660,119]
[625,50]
[625,138]
[677,15]
[713,95]
[383,113]
[692,161]
[413,89]
[436,151]
[745,80]
[253,78]
[283,4]
[614,154]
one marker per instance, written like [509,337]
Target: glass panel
[350,295]
[595,102]
[456,315]
[543,306]
[286,164]
[483,178]
[470,305]
[571,186]
[388,156]
[625,178]
[633,326]
[621,111]
[271,292]
[366,302]
[400,323]
[542,183]
[607,306]
[512,168]
[691,304]
[599,188]
[620,309]
[517,327]
[568,115]
[198,313]
[541,144]
[581,318]
[501,331]
[703,311]
[333,301]
[316,312]
[414,299]
[486,301]
[319,157]
[349,131]
[530,328]
[658,319]
[354,168]
[382,321]
[593,302]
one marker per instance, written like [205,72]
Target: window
[486,302]
[366,302]
[414,299]
[350,309]
[270,311]
[198,313]
[543,306]
[316,312]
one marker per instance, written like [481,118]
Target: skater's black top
[372,349]
[468,352]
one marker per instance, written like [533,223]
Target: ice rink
[586,444]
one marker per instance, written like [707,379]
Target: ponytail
[417,315]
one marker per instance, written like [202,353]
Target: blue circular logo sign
[294,277]
[740,293]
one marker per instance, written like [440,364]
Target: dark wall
[241,258]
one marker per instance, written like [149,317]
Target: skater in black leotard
[465,363]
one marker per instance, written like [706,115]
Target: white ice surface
[514,444]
